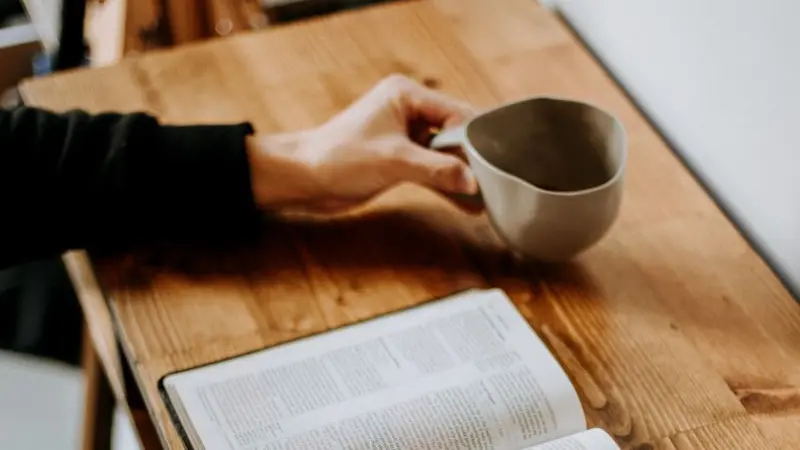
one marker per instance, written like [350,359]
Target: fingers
[469,206]
[439,171]
[442,172]
[421,102]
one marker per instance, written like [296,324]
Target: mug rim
[466,142]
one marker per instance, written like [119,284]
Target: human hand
[374,144]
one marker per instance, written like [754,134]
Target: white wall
[721,79]
[40,403]
[41,406]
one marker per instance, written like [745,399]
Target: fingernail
[467,183]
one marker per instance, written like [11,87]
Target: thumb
[437,170]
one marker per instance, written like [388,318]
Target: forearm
[75,180]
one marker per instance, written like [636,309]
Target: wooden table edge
[114,375]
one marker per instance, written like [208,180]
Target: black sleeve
[76,180]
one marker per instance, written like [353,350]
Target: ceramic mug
[550,171]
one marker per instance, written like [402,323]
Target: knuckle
[445,170]
[455,175]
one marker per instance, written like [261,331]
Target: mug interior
[553,144]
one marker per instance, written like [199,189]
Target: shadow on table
[465,252]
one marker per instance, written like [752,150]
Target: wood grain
[739,433]
[782,430]
[100,352]
[98,406]
[675,332]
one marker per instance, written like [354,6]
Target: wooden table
[676,333]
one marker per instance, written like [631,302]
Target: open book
[465,372]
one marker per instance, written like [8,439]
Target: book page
[464,372]
[594,439]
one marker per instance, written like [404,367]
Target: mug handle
[456,137]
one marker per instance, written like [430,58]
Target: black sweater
[76,180]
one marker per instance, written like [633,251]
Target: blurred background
[718,79]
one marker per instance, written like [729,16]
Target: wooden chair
[117,28]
